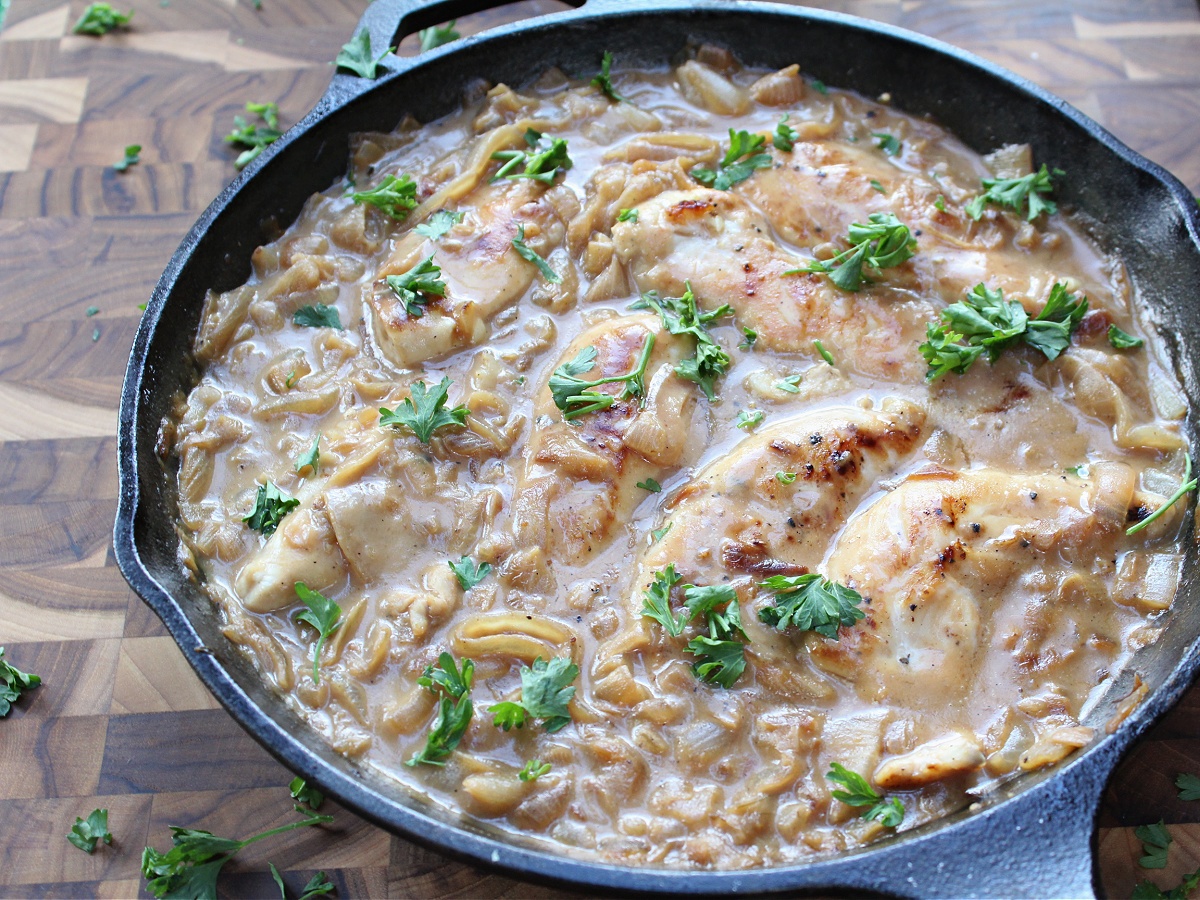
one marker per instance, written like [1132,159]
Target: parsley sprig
[1148,890]
[858,793]
[533,770]
[303,792]
[357,56]
[394,196]
[785,136]
[576,396]
[318,315]
[453,687]
[1187,486]
[417,285]
[743,157]
[13,682]
[322,614]
[270,506]
[882,243]
[424,412]
[810,602]
[86,833]
[680,315]
[1025,195]
[544,159]
[255,138]
[101,18]
[546,690]
[604,79]
[656,602]
[438,224]
[437,35]
[721,656]
[468,572]
[528,253]
[1156,842]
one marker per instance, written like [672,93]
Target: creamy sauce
[1000,590]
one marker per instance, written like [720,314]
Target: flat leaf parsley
[356,55]
[394,196]
[437,35]
[417,285]
[13,682]
[270,506]
[881,244]
[576,396]
[255,138]
[810,603]
[424,411]
[86,833]
[453,688]
[468,572]
[1026,195]
[544,159]
[101,18]
[546,690]
[741,160]
[604,79]
[322,614]
[681,315]
[528,253]
[132,158]
[858,792]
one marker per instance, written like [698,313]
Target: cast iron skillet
[1034,837]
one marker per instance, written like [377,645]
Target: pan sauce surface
[1000,589]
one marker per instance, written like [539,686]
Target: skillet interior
[1130,207]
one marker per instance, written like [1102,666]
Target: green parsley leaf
[749,339]
[627,215]
[1189,786]
[191,867]
[278,881]
[132,158]
[318,316]
[785,135]
[356,55]
[721,658]
[101,18]
[322,614]
[533,770]
[859,793]
[883,243]
[785,477]
[448,677]
[1147,890]
[877,186]
[437,35]
[1188,485]
[318,886]
[1051,331]
[12,683]
[718,661]
[394,196]
[888,143]
[741,160]
[890,813]
[604,79]
[650,485]
[417,285]
[748,419]
[546,690]
[527,253]
[574,395]
[656,602]
[255,138]
[312,458]
[1026,194]
[468,573]
[810,603]
[86,832]
[789,385]
[424,412]
[303,792]
[1123,340]
[940,203]
[508,715]
[945,354]
[439,224]
[454,709]
[270,506]
[659,533]
[543,161]
[681,315]
[819,86]
[1155,844]
[825,354]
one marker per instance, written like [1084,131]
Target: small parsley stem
[1188,485]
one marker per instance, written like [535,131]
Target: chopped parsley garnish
[303,792]
[785,135]
[628,215]
[86,833]
[1123,340]
[356,55]
[789,385]
[1189,786]
[546,690]
[888,143]
[940,203]
[825,354]
[810,602]
[312,458]
[439,224]
[575,396]
[191,867]
[1025,195]
[255,138]
[437,35]
[424,412]
[650,485]
[453,687]
[468,572]
[318,886]
[877,186]
[750,418]
[526,252]
[785,477]
[749,338]
[659,533]
[318,316]
[533,770]
[543,161]
[132,158]
[656,603]
[101,18]
[882,243]
[819,86]
[394,196]
[270,506]
[1155,845]
[858,792]
[13,682]
[720,656]
[417,285]
[1188,485]
[1148,890]
[604,79]
[680,315]
[740,162]
[322,614]
[988,323]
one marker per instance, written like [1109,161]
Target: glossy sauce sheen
[1001,593]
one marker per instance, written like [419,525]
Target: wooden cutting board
[120,721]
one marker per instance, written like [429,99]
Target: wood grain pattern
[121,722]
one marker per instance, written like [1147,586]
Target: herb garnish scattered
[789,385]
[356,55]
[132,158]
[810,602]
[12,683]
[741,160]
[574,395]
[1123,340]
[255,138]
[785,135]
[318,886]
[825,354]
[439,223]
[417,285]
[604,80]
[424,411]
[749,338]
[656,602]
[270,506]
[819,86]
[628,215]
[85,833]
[785,477]
[303,792]
[1189,786]
[1188,485]
[888,143]
[533,770]
[437,35]
[101,18]
[1025,195]
[546,690]
[394,196]
[528,253]
[542,162]
[1155,845]
[877,186]
[680,315]
[659,533]
[322,614]
[468,572]
[650,485]
[882,243]
[940,203]
[749,418]
[312,458]
[720,656]
[858,792]
[455,709]
[1147,890]
[318,315]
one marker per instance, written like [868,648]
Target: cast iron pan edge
[1039,842]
